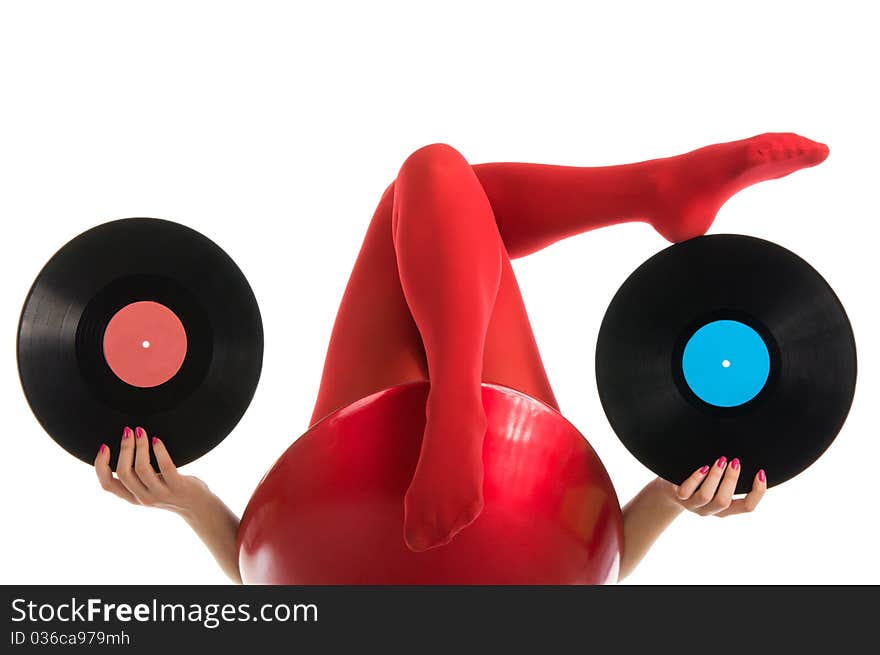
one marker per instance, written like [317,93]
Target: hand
[139,484]
[709,490]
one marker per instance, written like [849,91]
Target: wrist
[195,511]
[663,493]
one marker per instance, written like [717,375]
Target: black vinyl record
[140,322]
[726,345]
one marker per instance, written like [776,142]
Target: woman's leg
[538,204]
[376,343]
[449,256]
[433,296]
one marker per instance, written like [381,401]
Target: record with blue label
[726,345]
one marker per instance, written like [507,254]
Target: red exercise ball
[330,511]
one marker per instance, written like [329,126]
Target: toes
[467,516]
[781,147]
[772,156]
[426,532]
[817,153]
[803,151]
[420,537]
[435,527]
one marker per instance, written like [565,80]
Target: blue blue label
[726,363]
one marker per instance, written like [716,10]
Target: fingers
[136,479]
[750,501]
[105,476]
[166,464]
[687,488]
[706,492]
[724,496]
[142,466]
[125,466]
[709,490]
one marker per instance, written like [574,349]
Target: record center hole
[145,344]
[725,363]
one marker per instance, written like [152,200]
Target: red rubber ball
[330,511]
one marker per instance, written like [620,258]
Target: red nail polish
[762,476]
[705,469]
[155,440]
[735,463]
[139,432]
[102,449]
[721,462]
[126,433]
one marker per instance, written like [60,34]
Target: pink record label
[145,344]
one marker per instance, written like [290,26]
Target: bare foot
[446,492]
[692,187]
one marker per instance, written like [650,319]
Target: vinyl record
[143,322]
[726,345]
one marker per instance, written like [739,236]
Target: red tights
[433,296]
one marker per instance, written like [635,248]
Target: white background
[273,128]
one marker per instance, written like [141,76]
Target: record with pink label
[140,321]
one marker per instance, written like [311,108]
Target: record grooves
[726,345]
[151,274]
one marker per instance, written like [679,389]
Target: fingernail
[705,469]
[155,440]
[126,433]
[140,432]
[762,476]
[721,462]
[735,463]
[102,449]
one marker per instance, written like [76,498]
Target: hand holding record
[709,490]
[187,496]
[140,322]
[726,344]
[138,482]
